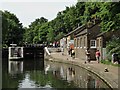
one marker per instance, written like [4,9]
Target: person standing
[68,51]
[87,52]
[73,53]
[98,55]
[113,57]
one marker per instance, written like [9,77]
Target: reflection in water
[15,67]
[40,74]
[34,64]
[90,82]
[47,68]
[74,74]
[70,74]
[27,83]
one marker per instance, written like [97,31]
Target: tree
[12,29]
[34,33]
[110,16]
[50,35]
[113,46]
[67,20]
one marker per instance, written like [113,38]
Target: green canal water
[40,74]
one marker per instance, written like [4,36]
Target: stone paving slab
[111,77]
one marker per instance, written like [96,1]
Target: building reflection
[15,67]
[70,74]
[63,73]
[90,82]
[57,73]
[79,76]
[33,64]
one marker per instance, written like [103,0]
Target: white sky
[29,10]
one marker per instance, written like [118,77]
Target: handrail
[47,51]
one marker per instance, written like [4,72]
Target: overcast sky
[28,10]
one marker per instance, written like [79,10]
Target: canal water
[37,73]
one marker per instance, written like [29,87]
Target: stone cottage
[86,38]
[103,38]
[70,36]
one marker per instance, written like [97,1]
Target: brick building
[89,37]
[102,40]
[86,38]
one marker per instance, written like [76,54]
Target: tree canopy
[12,29]
[41,30]
[74,16]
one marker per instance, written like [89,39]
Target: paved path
[110,77]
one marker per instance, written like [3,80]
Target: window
[80,42]
[77,42]
[84,41]
[93,43]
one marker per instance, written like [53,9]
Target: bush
[4,46]
[113,46]
[108,62]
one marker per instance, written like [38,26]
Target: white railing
[47,51]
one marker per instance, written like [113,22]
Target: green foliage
[50,35]
[107,62]
[110,16]
[41,30]
[12,29]
[113,46]
[59,36]
[37,31]
[43,79]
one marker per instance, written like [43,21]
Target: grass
[107,62]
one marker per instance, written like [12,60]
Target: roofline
[74,30]
[81,34]
[101,34]
[84,25]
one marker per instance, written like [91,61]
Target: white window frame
[91,42]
